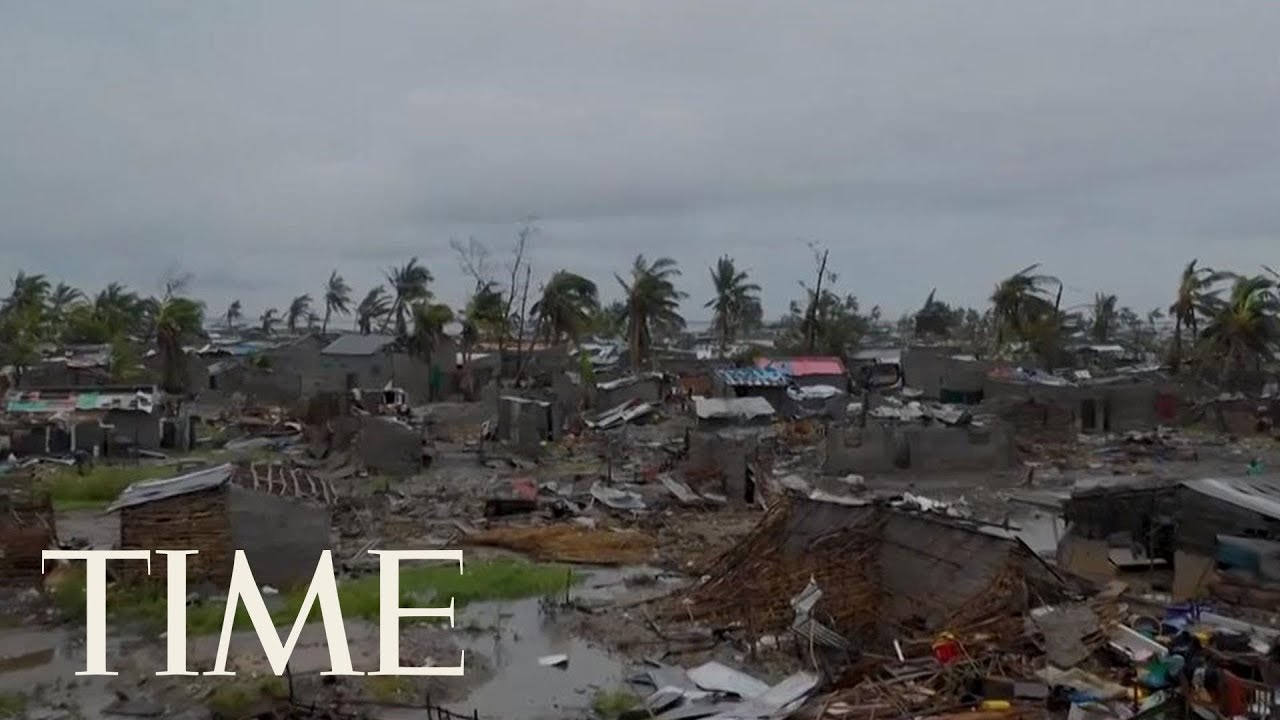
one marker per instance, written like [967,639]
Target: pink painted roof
[805,366]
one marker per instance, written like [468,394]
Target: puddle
[520,687]
[34,658]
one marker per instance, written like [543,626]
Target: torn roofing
[356,344]
[805,366]
[745,408]
[141,493]
[1255,494]
[753,377]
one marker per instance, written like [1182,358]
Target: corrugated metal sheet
[1255,494]
[805,366]
[752,377]
[744,408]
[49,401]
[355,344]
[152,490]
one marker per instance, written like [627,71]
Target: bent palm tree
[735,299]
[653,303]
[374,307]
[60,302]
[565,308]
[234,314]
[29,291]
[1104,317]
[1244,330]
[337,299]
[298,309]
[409,285]
[177,320]
[1020,301]
[1196,298]
[268,320]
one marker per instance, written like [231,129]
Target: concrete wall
[931,370]
[282,537]
[888,447]
[386,447]
[1118,407]
[726,453]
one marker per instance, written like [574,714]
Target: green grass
[99,486]
[611,704]
[389,688]
[238,699]
[12,705]
[422,585]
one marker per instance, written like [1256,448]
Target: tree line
[1224,322]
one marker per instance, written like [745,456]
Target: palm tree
[409,285]
[268,320]
[177,320]
[298,309]
[429,320]
[375,306]
[60,302]
[1020,301]
[119,310]
[565,308]
[1196,297]
[1104,317]
[233,314]
[733,301]
[337,299]
[1243,331]
[653,303]
[29,291]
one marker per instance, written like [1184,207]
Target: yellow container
[995,705]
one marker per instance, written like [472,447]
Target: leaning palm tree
[298,309]
[29,291]
[177,320]
[234,313]
[409,285]
[337,299]
[429,320]
[120,310]
[60,302]
[374,307]
[1103,322]
[1243,332]
[1020,301]
[653,303]
[565,308]
[1196,298]
[735,298]
[268,320]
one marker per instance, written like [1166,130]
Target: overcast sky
[260,144]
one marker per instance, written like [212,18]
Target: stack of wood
[26,528]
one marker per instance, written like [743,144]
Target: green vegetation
[12,705]
[611,704]
[98,486]
[238,699]
[144,603]
[389,688]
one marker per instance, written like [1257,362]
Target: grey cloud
[928,144]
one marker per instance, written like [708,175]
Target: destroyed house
[278,518]
[807,371]
[1098,405]
[26,528]
[354,361]
[100,421]
[945,374]
[647,387]
[768,383]
[526,421]
[731,450]
[1202,528]
[880,570]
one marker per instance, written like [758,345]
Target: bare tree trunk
[521,239]
[524,300]
[811,338]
